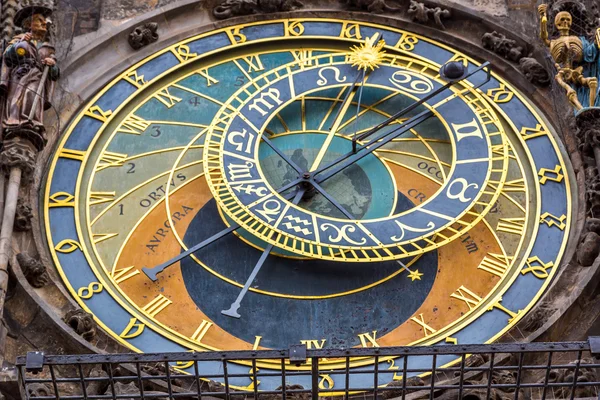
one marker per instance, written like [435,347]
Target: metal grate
[529,370]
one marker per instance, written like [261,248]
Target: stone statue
[28,75]
[577,60]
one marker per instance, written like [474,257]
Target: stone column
[18,157]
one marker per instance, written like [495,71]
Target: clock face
[315,210]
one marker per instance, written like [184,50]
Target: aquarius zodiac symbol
[296,228]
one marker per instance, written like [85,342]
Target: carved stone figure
[33,269]
[39,390]
[23,216]
[577,60]
[534,71]
[567,375]
[82,322]
[421,13]
[27,76]
[143,35]
[503,46]
[372,6]
[121,388]
[236,8]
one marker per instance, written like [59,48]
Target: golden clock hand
[339,117]
[232,311]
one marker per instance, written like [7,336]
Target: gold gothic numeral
[182,52]
[209,79]
[235,36]
[326,382]
[552,220]
[133,125]
[368,337]
[293,28]
[452,340]
[158,304]
[165,97]
[97,113]
[78,155]
[101,237]
[313,343]
[101,197]
[466,295]
[67,246]
[121,275]
[496,264]
[135,326]
[201,332]
[110,159]
[500,307]
[88,291]
[254,63]
[558,177]
[427,330]
[537,267]
[135,79]
[500,94]
[530,133]
[350,31]
[407,42]
[511,225]
[61,199]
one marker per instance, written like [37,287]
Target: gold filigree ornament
[368,55]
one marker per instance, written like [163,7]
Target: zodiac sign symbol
[250,189]
[239,145]
[296,228]
[240,171]
[460,195]
[267,210]
[323,81]
[418,84]
[403,228]
[342,233]
[271,93]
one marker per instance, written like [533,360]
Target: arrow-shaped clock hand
[233,310]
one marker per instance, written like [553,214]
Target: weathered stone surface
[372,6]
[23,216]
[534,71]
[33,269]
[588,249]
[421,13]
[235,8]
[503,46]
[82,322]
[143,35]
[568,375]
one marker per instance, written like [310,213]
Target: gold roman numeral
[201,331]
[313,343]
[159,303]
[427,330]
[121,275]
[254,63]
[515,226]
[78,155]
[165,97]
[303,57]
[209,79]
[470,298]
[110,159]
[368,337]
[133,125]
[101,237]
[101,197]
[495,264]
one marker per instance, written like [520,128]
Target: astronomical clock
[306,180]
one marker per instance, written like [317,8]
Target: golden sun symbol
[368,55]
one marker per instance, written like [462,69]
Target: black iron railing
[530,370]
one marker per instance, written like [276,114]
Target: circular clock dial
[257,186]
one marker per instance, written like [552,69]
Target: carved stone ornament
[143,35]
[421,13]
[538,317]
[534,71]
[236,8]
[18,152]
[372,6]
[503,46]
[567,375]
[39,390]
[35,272]
[121,388]
[82,322]
[23,216]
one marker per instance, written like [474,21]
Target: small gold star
[368,55]
[415,275]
